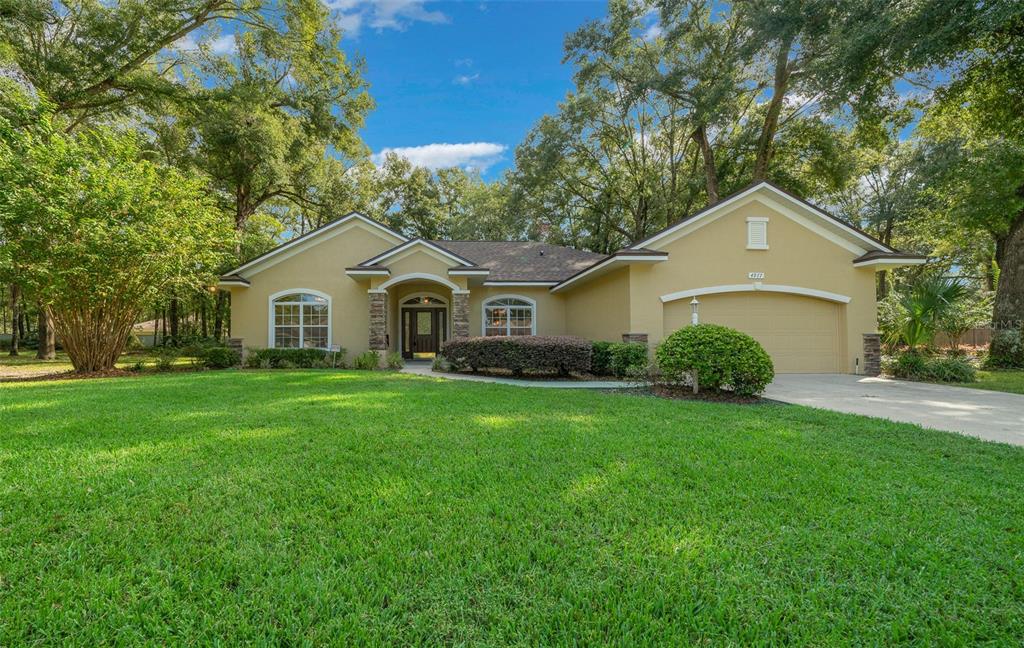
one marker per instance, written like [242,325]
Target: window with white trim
[509,316]
[757,233]
[301,321]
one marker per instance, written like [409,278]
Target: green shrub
[395,361]
[912,365]
[627,356]
[287,358]
[723,358]
[1006,350]
[440,363]
[519,354]
[601,358]
[220,357]
[367,360]
[165,357]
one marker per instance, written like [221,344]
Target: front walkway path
[423,369]
[991,415]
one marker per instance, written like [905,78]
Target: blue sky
[460,83]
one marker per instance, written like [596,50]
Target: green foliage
[220,357]
[627,357]
[721,357]
[923,309]
[1006,350]
[166,357]
[601,358]
[287,358]
[366,361]
[520,354]
[96,233]
[913,365]
[394,360]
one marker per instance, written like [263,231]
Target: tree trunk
[15,317]
[163,326]
[765,143]
[174,321]
[700,136]
[218,315]
[202,317]
[47,340]
[1009,306]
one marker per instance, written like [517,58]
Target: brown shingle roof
[522,260]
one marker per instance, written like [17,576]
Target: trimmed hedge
[519,354]
[289,358]
[723,358]
[617,358]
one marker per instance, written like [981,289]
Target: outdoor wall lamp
[694,317]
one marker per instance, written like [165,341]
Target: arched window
[424,300]
[300,320]
[510,315]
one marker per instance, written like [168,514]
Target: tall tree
[96,234]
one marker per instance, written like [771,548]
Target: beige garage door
[801,334]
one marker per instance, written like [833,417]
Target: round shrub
[723,358]
[220,357]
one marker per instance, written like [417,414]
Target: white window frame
[492,298]
[271,341]
[757,221]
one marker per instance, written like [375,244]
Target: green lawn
[1004,380]
[322,507]
[26,364]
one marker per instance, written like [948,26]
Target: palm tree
[924,308]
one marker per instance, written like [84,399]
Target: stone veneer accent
[236,344]
[872,354]
[378,321]
[635,337]
[460,314]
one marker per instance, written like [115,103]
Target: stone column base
[236,344]
[640,338]
[460,314]
[872,354]
[378,321]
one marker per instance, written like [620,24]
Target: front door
[424,330]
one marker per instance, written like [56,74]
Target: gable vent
[757,233]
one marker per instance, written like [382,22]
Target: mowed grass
[1005,380]
[341,507]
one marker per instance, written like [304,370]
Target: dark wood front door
[423,329]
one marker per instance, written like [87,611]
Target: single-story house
[797,279]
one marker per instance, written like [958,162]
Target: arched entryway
[423,324]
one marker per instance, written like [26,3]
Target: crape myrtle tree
[96,233]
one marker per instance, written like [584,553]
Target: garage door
[801,334]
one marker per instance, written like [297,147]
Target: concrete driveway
[995,416]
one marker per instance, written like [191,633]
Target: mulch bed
[73,375]
[686,393]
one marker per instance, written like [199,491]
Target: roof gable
[430,247]
[313,238]
[797,209]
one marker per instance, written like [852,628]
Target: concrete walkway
[991,415]
[423,369]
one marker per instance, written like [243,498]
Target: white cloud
[223,44]
[352,15]
[465,79]
[477,156]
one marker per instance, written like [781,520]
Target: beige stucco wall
[599,309]
[320,267]
[716,254]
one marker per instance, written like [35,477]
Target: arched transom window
[300,320]
[510,316]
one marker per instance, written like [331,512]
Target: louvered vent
[757,233]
